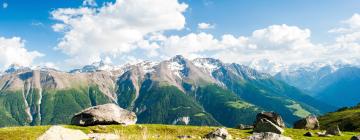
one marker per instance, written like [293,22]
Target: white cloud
[352,24]
[114,29]
[354,21]
[282,43]
[5,5]
[12,51]
[89,3]
[132,30]
[204,26]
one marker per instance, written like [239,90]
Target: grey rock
[271,116]
[185,137]
[309,134]
[264,125]
[268,136]
[355,138]
[104,115]
[333,130]
[310,122]
[218,134]
[61,133]
[244,127]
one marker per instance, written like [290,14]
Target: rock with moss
[104,115]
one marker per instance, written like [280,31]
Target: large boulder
[333,130]
[265,125]
[310,122]
[268,136]
[271,116]
[104,115]
[61,133]
[218,134]
[355,138]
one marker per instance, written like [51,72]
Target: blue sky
[32,20]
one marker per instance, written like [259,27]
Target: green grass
[298,110]
[297,134]
[347,119]
[22,133]
[154,132]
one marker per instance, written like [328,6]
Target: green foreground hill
[348,119]
[154,131]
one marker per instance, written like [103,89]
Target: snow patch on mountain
[175,68]
[147,66]
[208,65]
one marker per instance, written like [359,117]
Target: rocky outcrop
[310,122]
[265,125]
[104,115]
[61,133]
[268,136]
[271,116]
[218,134]
[334,130]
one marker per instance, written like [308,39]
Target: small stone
[185,137]
[309,134]
[244,127]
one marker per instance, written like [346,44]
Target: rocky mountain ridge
[206,91]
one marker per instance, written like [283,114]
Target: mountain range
[336,85]
[204,91]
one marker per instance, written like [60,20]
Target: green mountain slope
[268,93]
[348,119]
[57,107]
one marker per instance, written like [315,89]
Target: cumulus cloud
[204,26]
[277,42]
[114,29]
[133,30]
[12,51]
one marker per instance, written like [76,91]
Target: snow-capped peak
[96,66]
[207,64]
[147,66]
